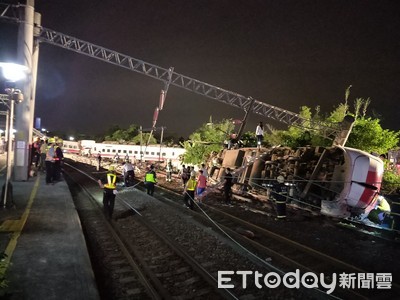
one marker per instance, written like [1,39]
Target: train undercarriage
[338,181]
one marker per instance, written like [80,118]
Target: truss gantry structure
[247,104]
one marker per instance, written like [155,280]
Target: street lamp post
[13,73]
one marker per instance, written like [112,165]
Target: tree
[209,137]
[368,135]
[143,138]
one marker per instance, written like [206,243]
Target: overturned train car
[341,181]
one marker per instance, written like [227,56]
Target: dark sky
[284,53]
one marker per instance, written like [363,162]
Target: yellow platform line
[16,227]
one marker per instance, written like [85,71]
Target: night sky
[284,53]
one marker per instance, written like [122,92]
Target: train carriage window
[164,154]
[158,153]
[135,152]
[173,154]
[119,151]
[152,153]
[147,153]
[124,151]
[130,152]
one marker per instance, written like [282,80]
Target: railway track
[117,274]
[145,263]
[285,254]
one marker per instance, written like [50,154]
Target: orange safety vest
[111,179]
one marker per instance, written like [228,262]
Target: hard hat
[111,168]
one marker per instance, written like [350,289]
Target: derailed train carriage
[341,181]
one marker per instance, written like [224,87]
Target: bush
[390,182]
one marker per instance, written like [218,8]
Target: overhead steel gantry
[248,104]
[185,82]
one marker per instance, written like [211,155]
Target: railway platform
[41,234]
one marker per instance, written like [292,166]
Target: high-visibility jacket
[150,177]
[191,185]
[50,154]
[383,205]
[111,179]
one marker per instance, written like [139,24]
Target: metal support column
[23,136]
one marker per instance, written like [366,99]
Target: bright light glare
[71,138]
[13,72]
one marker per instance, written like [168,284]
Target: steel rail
[197,267]
[155,293]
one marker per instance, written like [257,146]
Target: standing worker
[188,192]
[50,153]
[201,183]
[168,170]
[108,184]
[43,150]
[280,195]
[129,173]
[184,175]
[204,169]
[259,134]
[98,161]
[228,186]
[58,161]
[150,180]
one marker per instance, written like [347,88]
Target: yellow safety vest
[384,205]
[111,179]
[191,185]
[150,177]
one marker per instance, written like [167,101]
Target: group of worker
[193,186]
[109,184]
[197,186]
[47,156]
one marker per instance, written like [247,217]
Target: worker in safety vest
[50,153]
[189,190]
[108,184]
[150,180]
[381,211]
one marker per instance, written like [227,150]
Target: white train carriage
[361,175]
[71,147]
[151,153]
